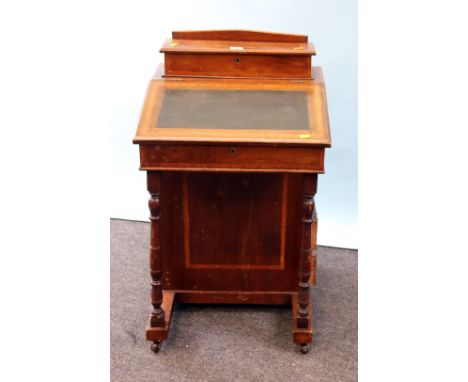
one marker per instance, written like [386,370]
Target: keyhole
[237,60]
[233,150]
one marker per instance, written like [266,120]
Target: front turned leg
[303,318]
[154,188]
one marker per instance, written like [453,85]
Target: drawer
[232,158]
[238,66]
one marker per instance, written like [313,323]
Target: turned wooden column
[154,188]
[309,187]
[314,246]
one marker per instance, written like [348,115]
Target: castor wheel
[155,346]
[304,348]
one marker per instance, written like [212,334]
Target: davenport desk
[232,136]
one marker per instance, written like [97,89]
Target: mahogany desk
[232,136]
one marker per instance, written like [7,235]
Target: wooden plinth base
[159,333]
[301,336]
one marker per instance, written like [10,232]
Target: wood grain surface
[232,135]
[239,35]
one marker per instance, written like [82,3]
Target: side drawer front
[232,158]
[237,66]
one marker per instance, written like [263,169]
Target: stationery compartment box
[238,55]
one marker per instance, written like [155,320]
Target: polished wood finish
[301,336]
[239,35]
[229,47]
[305,258]
[231,158]
[154,188]
[238,65]
[231,231]
[317,134]
[159,333]
[233,297]
[232,166]
[313,267]
[238,54]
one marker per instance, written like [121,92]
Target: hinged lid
[238,42]
[245,111]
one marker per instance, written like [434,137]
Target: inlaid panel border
[186,223]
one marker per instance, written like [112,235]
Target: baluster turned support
[314,246]
[154,188]
[309,188]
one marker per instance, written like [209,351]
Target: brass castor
[304,348]
[155,346]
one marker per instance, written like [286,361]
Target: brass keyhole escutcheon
[237,60]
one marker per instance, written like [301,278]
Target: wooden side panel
[257,203]
[233,158]
[198,247]
[237,66]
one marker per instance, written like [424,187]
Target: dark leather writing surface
[234,109]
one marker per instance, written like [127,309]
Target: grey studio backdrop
[331,25]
